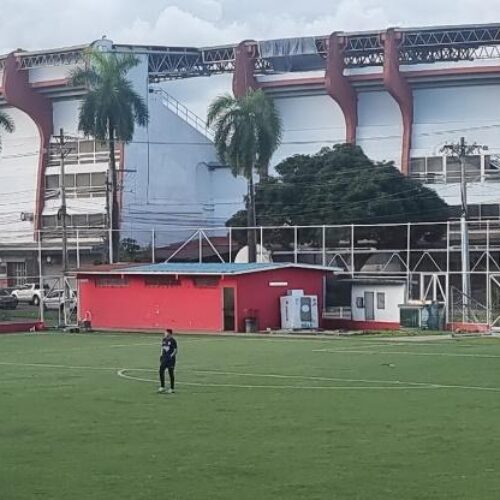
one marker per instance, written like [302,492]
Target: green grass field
[252,419]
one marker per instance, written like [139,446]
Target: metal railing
[184,112]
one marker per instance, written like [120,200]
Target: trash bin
[250,325]
[436,317]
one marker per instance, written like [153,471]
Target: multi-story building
[401,94]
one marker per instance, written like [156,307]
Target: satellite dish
[263,255]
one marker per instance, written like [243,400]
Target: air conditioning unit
[299,311]
[27,216]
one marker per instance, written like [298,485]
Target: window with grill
[490,211]
[86,147]
[161,281]
[69,180]
[417,167]
[52,182]
[79,220]
[96,220]
[98,179]
[101,146]
[380,300]
[206,281]
[111,282]
[83,180]
[49,221]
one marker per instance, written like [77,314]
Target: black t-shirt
[168,348]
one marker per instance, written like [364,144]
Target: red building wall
[141,307]
[188,307]
[254,292]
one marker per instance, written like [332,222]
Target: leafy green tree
[247,133]
[110,111]
[129,250]
[341,185]
[6,124]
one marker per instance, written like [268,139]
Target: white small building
[374,305]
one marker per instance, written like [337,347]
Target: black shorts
[167,363]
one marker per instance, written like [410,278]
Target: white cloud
[33,24]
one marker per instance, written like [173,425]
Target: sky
[42,24]
[35,24]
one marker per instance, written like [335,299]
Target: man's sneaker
[170,391]
[161,390]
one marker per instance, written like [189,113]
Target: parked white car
[30,293]
[54,301]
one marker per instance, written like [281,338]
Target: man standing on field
[167,360]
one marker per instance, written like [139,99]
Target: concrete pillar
[397,85]
[338,86]
[243,76]
[19,94]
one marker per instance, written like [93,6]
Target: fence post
[230,244]
[40,276]
[261,244]
[295,245]
[488,280]
[78,249]
[408,261]
[449,294]
[200,247]
[153,245]
[353,265]
[323,244]
[110,245]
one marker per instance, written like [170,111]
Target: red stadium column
[19,94]
[400,90]
[339,88]
[243,76]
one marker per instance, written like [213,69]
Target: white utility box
[299,311]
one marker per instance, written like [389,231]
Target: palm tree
[109,112]
[6,124]
[247,133]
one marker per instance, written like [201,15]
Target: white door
[370,306]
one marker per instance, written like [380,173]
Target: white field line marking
[123,373]
[430,385]
[305,377]
[68,367]
[409,353]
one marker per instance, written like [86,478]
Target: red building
[193,297]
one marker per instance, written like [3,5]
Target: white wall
[65,113]
[443,115]
[380,126]
[394,296]
[172,185]
[310,122]
[48,73]
[18,178]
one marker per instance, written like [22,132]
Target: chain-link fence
[427,256]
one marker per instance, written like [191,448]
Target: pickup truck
[30,293]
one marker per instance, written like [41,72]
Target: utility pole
[109,215]
[461,150]
[62,210]
[63,152]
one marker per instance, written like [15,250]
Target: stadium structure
[400,94]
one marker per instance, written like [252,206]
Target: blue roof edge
[214,269]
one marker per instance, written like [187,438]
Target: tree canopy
[110,111]
[247,133]
[341,185]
